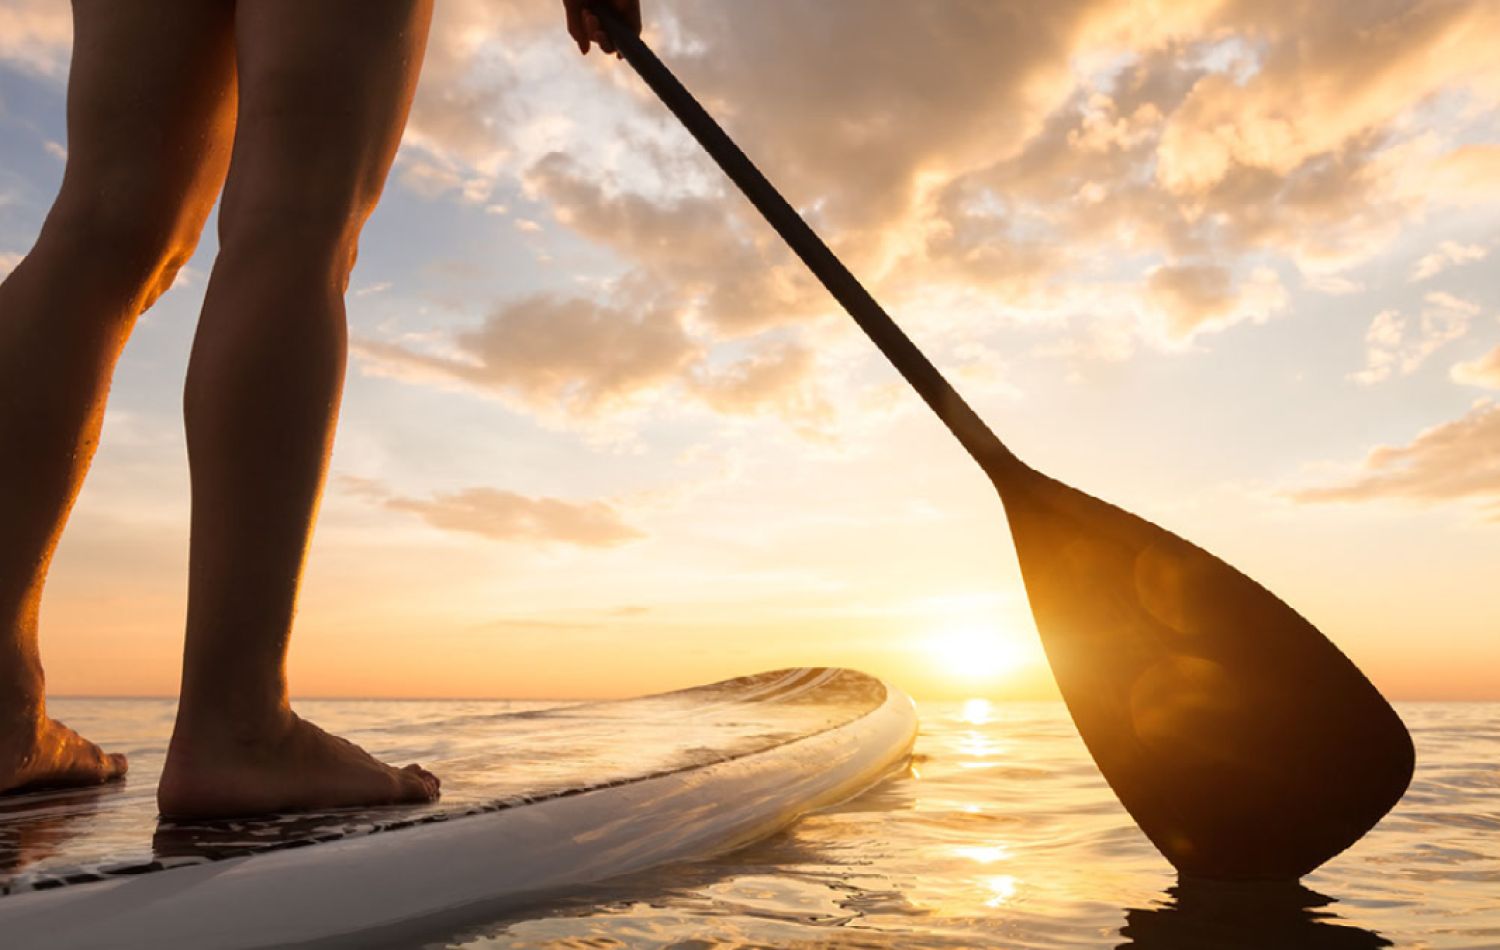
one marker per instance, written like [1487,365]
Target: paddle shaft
[936,391]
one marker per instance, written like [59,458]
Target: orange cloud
[1192,296]
[740,280]
[1484,371]
[772,378]
[501,515]
[1466,176]
[854,120]
[552,354]
[574,359]
[1330,73]
[1451,461]
[1015,150]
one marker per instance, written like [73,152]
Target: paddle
[1243,743]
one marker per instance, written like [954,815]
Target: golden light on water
[979,750]
[982,854]
[1002,887]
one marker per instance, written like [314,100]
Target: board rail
[431,875]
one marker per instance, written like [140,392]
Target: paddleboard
[534,803]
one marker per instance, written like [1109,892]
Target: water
[1003,835]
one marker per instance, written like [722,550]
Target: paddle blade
[1239,738]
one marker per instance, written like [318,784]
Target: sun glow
[976,653]
[977,711]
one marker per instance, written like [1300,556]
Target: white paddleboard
[534,803]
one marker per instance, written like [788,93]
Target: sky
[1233,266]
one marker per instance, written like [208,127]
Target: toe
[416,786]
[118,766]
[415,769]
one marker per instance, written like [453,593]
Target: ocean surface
[1001,834]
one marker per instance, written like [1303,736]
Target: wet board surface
[534,800]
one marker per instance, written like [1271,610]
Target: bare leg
[324,92]
[150,119]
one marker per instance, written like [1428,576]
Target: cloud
[1452,461]
[1447,254]
[1190,297]
[36,36]
[433,178]
[1382,341]
[507,516]
[1328,74]
[571,359]
[1332,284]
[1484,371]
[462,105]
[698,283]
[1393,344]
[1052,153]
[1309,138]
[941,88]
[771,379]
[1189,294]
[552,354]
[1288,129]
[1468,175]
[736,279]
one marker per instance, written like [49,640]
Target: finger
[598,33]
[580,36]
[606,41]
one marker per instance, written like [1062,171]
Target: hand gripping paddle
[1243,743]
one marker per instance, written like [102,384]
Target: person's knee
[295,230]
[127,237]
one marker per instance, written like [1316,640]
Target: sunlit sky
[1232,266]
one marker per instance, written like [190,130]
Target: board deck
[533,802]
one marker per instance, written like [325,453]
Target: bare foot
[37,752]
[292,766]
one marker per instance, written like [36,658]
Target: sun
[977,652]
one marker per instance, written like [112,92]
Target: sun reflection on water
[978,745]
[983,853]
[1002,887]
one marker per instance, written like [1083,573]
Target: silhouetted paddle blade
[1239,738]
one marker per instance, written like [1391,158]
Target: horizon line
[605,699]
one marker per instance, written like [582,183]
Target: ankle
[22,686]
[232,719]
